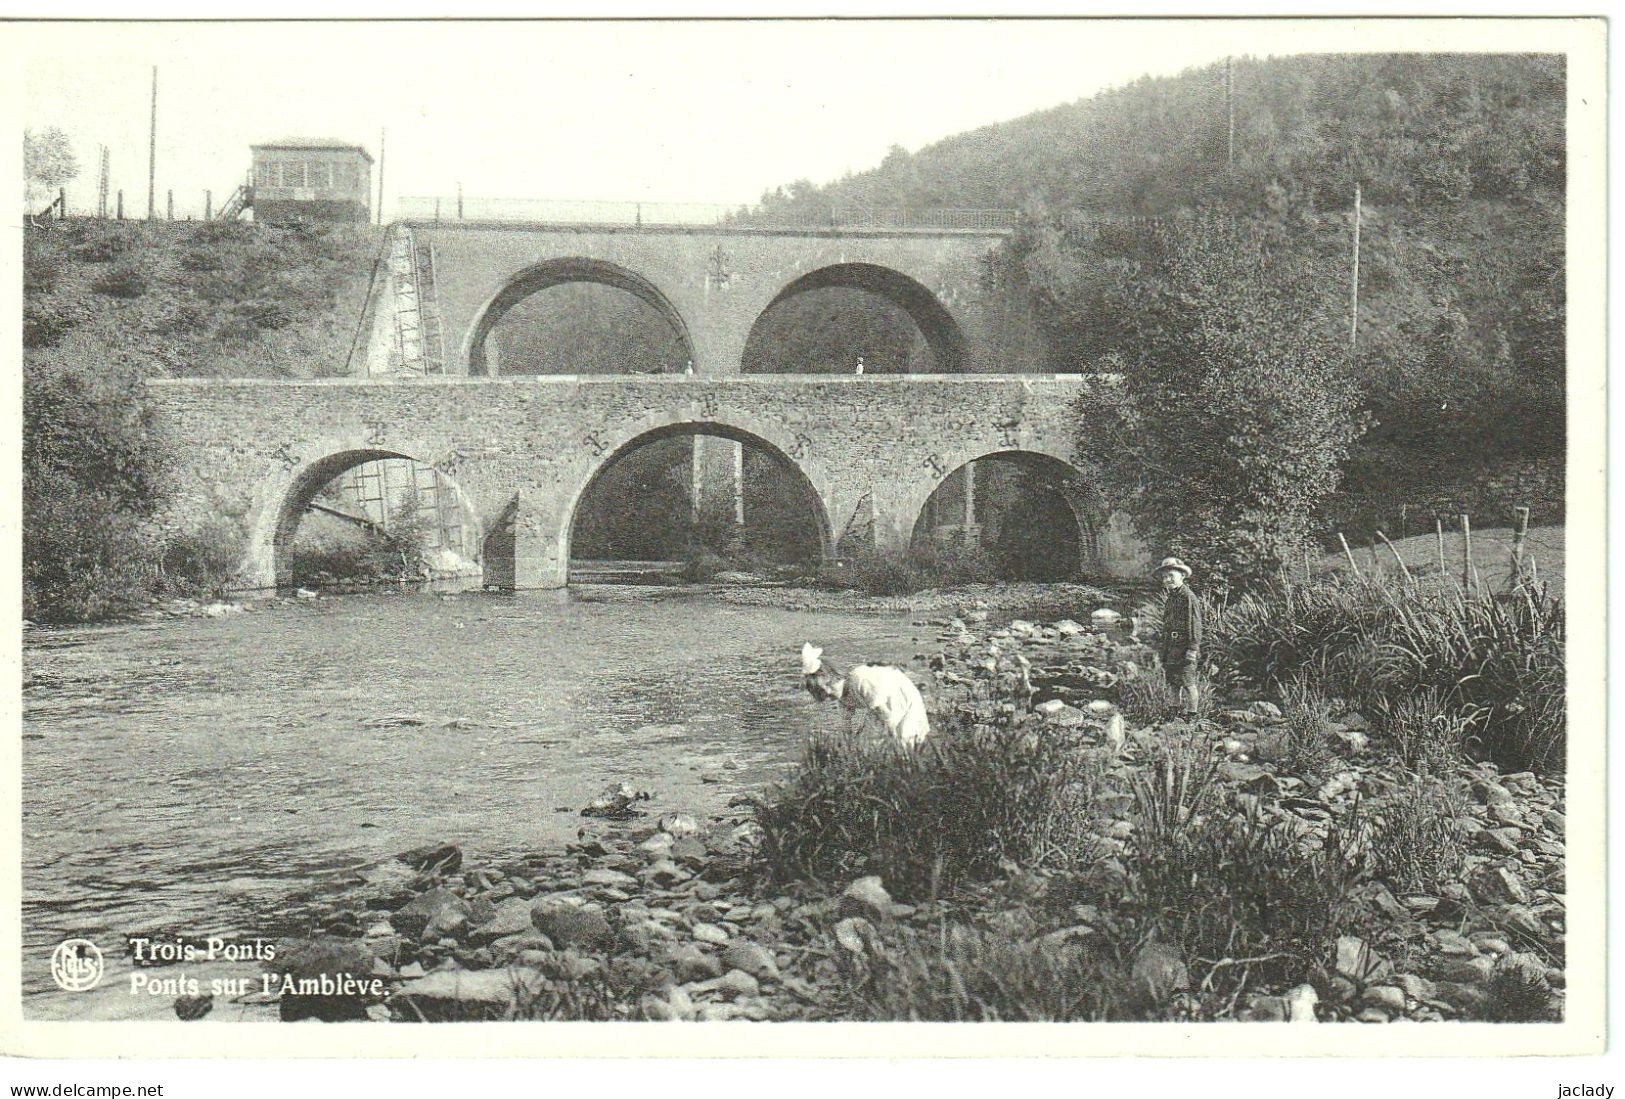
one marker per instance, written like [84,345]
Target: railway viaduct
[866,451]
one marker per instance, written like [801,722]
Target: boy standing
[1181,631]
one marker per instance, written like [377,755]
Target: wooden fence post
[121,204]
[1349,554]
[1466,552]
[1438,528]
[169,207]
[1397,558]
[1518,536]
[61,203]
[208,205]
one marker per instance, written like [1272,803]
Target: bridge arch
[272,543]
[558,272]
[941,331]
[771,439]
[1054,472]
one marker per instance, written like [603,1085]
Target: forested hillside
[1461,164]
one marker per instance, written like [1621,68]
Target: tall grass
[929,817]
[1242,895]
[960,973]
[1494,661]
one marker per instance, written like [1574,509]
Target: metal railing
[454,208]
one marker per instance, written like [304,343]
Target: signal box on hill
[312,179]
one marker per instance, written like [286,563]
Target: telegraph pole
[381,134]
[152,152]
[1354,290]
[1230,117]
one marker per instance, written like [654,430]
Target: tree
[48,163]
[1236,406]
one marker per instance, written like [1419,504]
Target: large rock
[1358,962]
[445,858]
[454,995]
[613,878]
[751,958]
[512,917]
[344,964]
[568,921]
[866,897]
[1498,885]
[1160,971]
[431,916]
[688,962]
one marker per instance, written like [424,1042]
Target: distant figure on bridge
[688,371]
[860,364]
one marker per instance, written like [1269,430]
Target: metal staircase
[241,199]
[403,278]
[433,332]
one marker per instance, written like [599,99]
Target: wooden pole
[1438,526]
[1349,554]
[1354,308]
[1400,561]
[152,151]
[121,204]
[381,134]
[61,203]
[1466,552]
[169,205]
[1230,116]
[459,201]
[1518,535]
[208,205]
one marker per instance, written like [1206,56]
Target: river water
[183,775]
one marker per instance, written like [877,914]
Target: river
[184,775]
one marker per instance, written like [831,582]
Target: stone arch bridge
[867,451]
[450,283]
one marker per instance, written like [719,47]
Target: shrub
[198,564]
[91,478]
[1306,730]
[1418,843]
[1519,992]
[960,973]
[1428,736]
[85,556]
[104,248]
[124,281]
[929,817]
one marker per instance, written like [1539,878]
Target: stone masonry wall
[719,282]
[253,452]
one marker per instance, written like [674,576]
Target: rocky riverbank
[670,918]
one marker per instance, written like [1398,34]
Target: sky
[710,112]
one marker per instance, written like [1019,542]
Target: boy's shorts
[1180,675]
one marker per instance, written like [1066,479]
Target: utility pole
[152,152]
[381,133]
[1230,117]
[101,184]
[1354,311]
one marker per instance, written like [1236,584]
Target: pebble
[711,933]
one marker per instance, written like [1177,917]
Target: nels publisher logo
[76,965]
